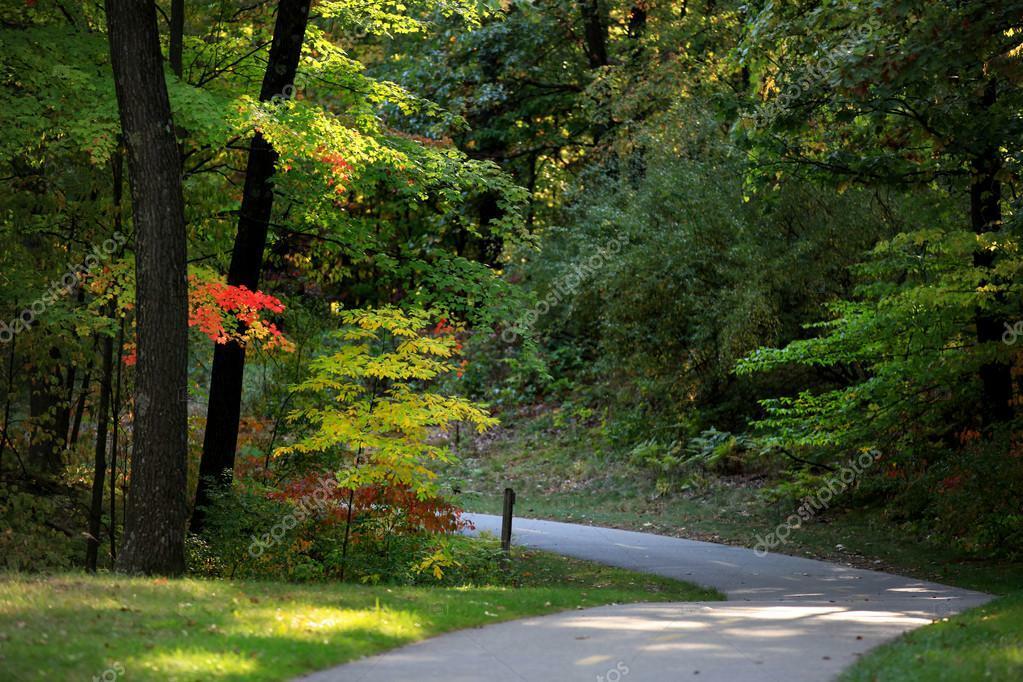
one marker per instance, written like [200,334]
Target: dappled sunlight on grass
[192,663]
[76,626]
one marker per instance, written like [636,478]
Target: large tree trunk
[986,216]
[224,410]
[155,533]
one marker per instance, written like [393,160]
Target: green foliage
[366,400]
[907,343]
[680,466]
[236,517]
[702,273]
[31,538]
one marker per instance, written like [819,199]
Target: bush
[963,510]
[298,530]
[31,538]
[681,466]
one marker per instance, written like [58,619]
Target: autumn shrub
[296,531]
[351,493]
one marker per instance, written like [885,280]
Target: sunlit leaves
[374,402]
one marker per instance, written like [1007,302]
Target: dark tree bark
[115,421]
[79,405]
[224,410]
[637,21]
[100,473]
[177,36]
[986,216]
[4,438]
[115,417]
[595,33]
[155,532]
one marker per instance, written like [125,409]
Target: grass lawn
[76,626]
[985,643]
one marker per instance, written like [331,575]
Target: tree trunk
[79,405]
[986,216]
[4,437]
[220,440]
[595,33]
[177,36]
[637,21]
[100,473]
[115,417]
[115,422]
[596,37]
[154,539]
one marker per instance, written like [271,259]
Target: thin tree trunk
[595,33]
[100,472]
[348,533]
[79,405]
[118,178]
[223,413]
[7,400]
[65,414]
[177,36]
[596,36]
[115,423]
[637,21]
[154,539]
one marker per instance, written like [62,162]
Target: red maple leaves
[412,513]
[340,169]
[225,313]
[442,328]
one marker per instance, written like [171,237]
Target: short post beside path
[506,522]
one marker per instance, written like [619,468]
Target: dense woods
[276,260]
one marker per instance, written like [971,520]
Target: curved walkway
[787,619]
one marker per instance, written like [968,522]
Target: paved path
[787,619]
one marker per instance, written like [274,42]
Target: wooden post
[506,523]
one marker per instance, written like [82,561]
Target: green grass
[76,626]
[985,643]
[567,471]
